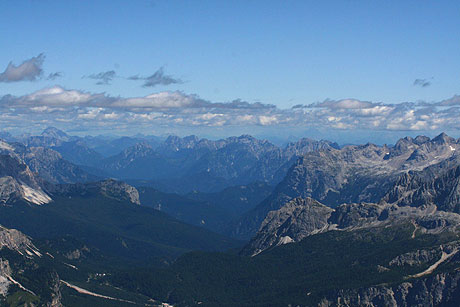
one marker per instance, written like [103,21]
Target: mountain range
[232,222]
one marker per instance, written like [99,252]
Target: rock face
[421,191]
[119,190]
[437,290]
[17,241]
[18,182]
[300,218]
[305,145]
[47,163]
[294,221]
[437,184]
[111,188]
[20,262]
[355,174]
[426,197]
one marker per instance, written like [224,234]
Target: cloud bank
[177,109]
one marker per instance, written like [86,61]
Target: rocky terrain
[18,182]
[117,190]
[47,163]
[300,218]
[20,265]
[363,224]
[354,174]
[436,290]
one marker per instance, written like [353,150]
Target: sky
[346,70]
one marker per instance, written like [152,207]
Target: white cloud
[160,100]
[344,104]
[177,109]
[56,96]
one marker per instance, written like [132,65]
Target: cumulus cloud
[103,78]
[178,109]
[29,70]
[157,78]
[422,82]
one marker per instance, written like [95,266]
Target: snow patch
[451,148]
[37,197]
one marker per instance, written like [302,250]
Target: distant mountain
[198,164]
[208,166]
[353,174]
[113,146]
[72,148]
[50,137]
[306,145]
[79,153]
[52,132]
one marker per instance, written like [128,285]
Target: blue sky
[281,53]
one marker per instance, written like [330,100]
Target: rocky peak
[53,132]
[140,149]
[443,139]
[305,145]
[119,190]
[403,144]
[300,218]
[174,144]
[294,221]
[141,146]
[421,139]
[18,182]
[187,142]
